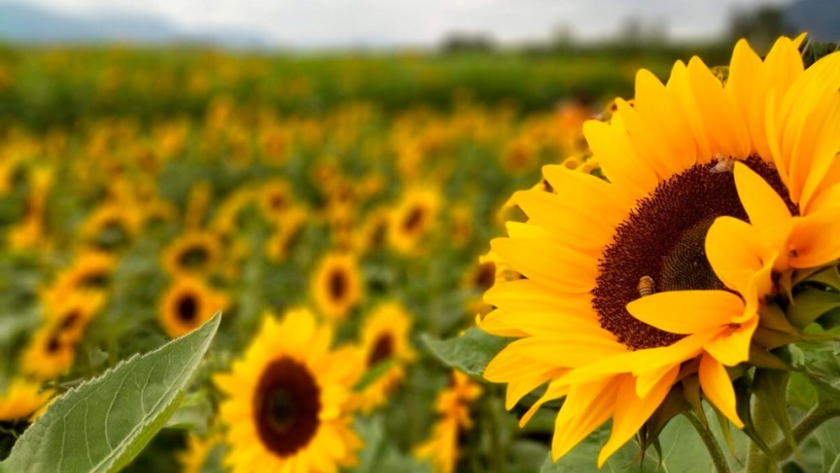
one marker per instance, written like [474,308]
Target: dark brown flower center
[662,244]
[485,277]
[337,284]
[287,403]
[187,308]
[413,219]
[382,350]
[194,257]
[70,320]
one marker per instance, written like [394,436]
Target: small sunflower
[23,400]
[71,314]
[111,226]
[337,285]
[193,253]
[287,227]
[187,304]
[198,449]
[89,272]
[286,400]
[413,218]
[660,274]
[478,280]
[49,354]
[453,409]
[275,197]
[385,337]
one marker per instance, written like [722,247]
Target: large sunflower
[385,338]
[716,191]
[286,406]
[337,285]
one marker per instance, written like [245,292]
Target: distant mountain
[820,18]
[29,24]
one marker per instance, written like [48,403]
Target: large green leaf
[102,424]
[470,352]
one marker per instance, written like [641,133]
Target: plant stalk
[712,445]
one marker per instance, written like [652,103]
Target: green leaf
[101,425]
[374,373]
[470,352]
[821,450]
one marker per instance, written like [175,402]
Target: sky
[331,23]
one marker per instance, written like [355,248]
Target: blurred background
[164,159]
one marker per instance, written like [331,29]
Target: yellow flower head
[187,304]
[711,188]
[22,400]
[286,405]
[193,253]
[385,339]
[337,285]
[413,218]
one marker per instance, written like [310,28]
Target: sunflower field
[217,261]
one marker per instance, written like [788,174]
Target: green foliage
[104,423]
[470,352]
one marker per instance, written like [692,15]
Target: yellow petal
[717,387]
[730,251]
[631,411]
[727,131]
[733,346]
[814,240]
[548,263]
[743,71]
[587,406]
[680,88]
[659,110]
[687,312]
[763,205]
[619,162]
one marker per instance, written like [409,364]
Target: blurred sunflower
[412,218]
[660,274]
[49,353]
[194,457]
[187,304]
[286,228]
[89,272]
[71,314]
[453,409]
[479,279]
[385,338]
[336,285]
[22,400]
[275,197]
[194,253]
[286,400]
[111,226]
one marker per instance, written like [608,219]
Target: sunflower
[193,459]
[286,406]
[477,280]
[337,285]
[193,253]
[187,304]
[89,272]
[49,354]
[412,219]
[453,408]
[71,314]
[286,228]
[659,275]
[385,338]
[111,226]
[22,400]
[275,197]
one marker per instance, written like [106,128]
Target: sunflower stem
[757,460]
[712,445]
[814,419]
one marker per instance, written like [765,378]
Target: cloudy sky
[402,22]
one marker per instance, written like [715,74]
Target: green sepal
[691,389]
[726,431]
[762,358]
[743,398]
[770,339]
[770,387]
[675,403]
